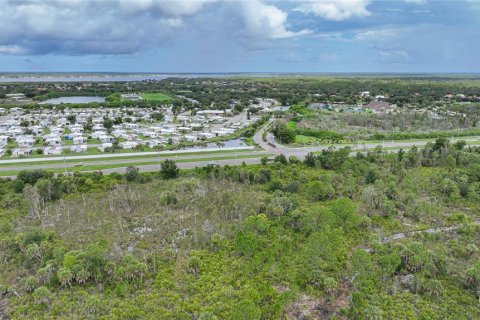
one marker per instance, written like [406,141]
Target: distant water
[100,77]
[73,100]
[80,77]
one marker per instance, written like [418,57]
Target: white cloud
[394,56]
[170,8]
[91,27]
[12,49]
[336,10]
[380,34]
[416,1]
[266,21]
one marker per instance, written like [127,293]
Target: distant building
[15,96]
[131,96]
[364,94]
[280,108]
[379,106]
[322,106]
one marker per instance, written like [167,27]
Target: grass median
[124,165]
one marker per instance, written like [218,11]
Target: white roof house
[52,151]
[206,135]
[128,144]
[106,138]
[54,141]
[3,141]
[25,141]
[21,152]
[79,148]
[98,134]
[152,143]
[79,140]
[105,146]
[190,138]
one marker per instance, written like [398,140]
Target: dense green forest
[220,92]
[374,236]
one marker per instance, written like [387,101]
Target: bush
[169,169]
[282,133]
[131,173]
[32,176]
[281,159]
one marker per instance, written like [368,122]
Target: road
[227,158]
[105,162]
[126,154]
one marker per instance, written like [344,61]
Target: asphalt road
[231,158]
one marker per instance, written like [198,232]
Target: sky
[240,36]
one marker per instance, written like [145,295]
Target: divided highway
[188,159]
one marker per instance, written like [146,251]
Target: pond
[73,100]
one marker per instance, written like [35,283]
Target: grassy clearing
[302,139]
[292,125]
[160,97]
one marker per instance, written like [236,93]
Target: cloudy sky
[240,36]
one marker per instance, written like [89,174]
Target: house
[184,129]
[52,151]
[150,134]
[190,138]
[79,148]
[22,152]
[131,96]
[379,106]
[3,141]
[98,134]
[219,133]
[169,131]
[54,141]
[152,143]
[128,144]
[131,125]
[79,140]
[106,139]
[77,129]
[37,130]
[206,135]
[214,112]
[25,141]
[15,96]
[105,146]
[364,94]
[280,108]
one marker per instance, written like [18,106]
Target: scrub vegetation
[375,236]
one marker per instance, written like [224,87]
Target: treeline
[424,135]
[223,93]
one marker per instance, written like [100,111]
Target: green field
[292,125]
[160,97]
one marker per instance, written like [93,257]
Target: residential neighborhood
[75,130]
